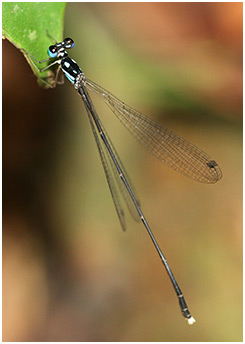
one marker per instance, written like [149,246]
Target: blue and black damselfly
[167,146]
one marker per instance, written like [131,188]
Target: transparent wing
[112,174]
[108,174]
[169,147]
[122,188]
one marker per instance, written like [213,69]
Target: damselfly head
[54,50]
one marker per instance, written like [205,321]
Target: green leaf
[26,24]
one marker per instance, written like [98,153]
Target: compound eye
[69,43]
[52,51]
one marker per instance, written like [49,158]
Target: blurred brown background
[69,272]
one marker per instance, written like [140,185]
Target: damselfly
[169,147]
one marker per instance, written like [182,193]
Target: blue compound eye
[69,43]
[52,51]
